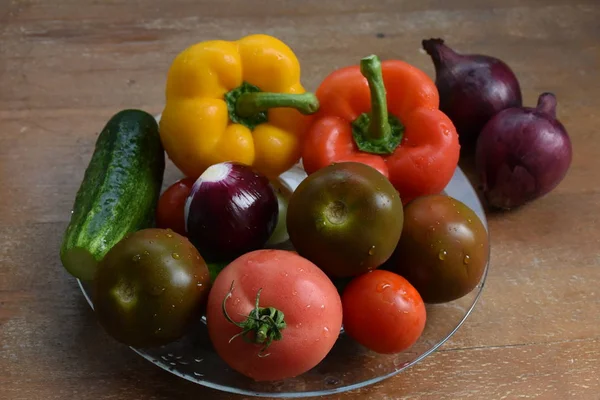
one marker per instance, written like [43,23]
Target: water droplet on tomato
[442,254]
[236,301]
[322,306]
[326,332]
[372,250]
[146,252]
[136,258]
[382,286]
[175,256]
[467,259]
[308,306]
[294,293]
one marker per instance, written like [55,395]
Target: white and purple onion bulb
[232,209]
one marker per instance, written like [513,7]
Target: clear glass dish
[348,366]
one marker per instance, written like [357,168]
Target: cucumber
[119,191]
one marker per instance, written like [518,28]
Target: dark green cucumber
[119,191]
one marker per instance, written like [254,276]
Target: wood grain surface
[67,65]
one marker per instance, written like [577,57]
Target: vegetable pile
[379,144]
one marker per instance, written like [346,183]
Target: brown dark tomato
[150,288]
[443,250]
[346,218]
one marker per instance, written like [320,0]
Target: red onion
[472,87]
[522,154]
[231,210]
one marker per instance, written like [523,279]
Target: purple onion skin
[472,87]
[232,213]
[522,154]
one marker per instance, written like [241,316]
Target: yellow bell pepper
[235,101]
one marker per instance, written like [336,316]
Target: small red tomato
[169,212]
[298,320]
[383,312]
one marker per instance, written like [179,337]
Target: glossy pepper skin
[384,114]
[235,101]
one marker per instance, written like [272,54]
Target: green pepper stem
[252,103]
[379,126]
[376,132]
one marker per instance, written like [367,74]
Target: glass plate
[348,366]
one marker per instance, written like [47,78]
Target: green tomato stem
[266,323]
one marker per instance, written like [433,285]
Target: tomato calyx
[265,322]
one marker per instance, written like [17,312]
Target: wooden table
[67,65]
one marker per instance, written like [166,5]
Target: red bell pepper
[404,136]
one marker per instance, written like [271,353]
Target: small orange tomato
[383,312]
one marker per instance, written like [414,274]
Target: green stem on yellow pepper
[247,104]
[252,103]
